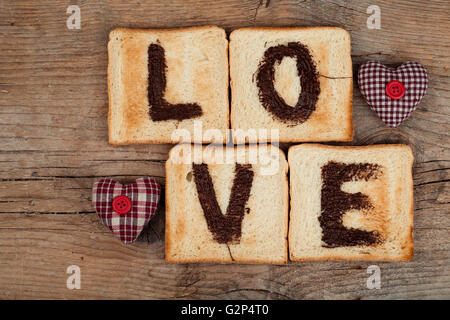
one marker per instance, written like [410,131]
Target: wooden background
[53,146]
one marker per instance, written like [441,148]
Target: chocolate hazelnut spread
[336,202]
[310,86]
[160,109]
[225,228]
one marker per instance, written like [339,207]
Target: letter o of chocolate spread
[160,109]
[310,86]
[335,203]
[225,228]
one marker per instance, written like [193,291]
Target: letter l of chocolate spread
[160,109]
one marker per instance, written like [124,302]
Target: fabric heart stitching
[373,77]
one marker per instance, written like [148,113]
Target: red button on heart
[393,93]
[395,90]
[121,204]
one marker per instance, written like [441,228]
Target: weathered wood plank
[35,251]
[67,188]
[53,146]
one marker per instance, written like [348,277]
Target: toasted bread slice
[242,189]
[351,203]
[187,66]
[323,49]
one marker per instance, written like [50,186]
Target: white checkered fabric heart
[373,77]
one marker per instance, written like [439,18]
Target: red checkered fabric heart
[126,209]
[373,77]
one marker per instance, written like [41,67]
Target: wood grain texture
[37,249]
[53,146]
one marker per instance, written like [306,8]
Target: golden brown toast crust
[407,252]
[318,123]
[130,102]
[170,240]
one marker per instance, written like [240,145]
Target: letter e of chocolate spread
[335,203]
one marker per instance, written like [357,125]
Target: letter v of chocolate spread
[309,82]
[225,228]
[336,202]
[160,109]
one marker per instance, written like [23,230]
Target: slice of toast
[185,79]
[296,80]
[351,203]
[234,212]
